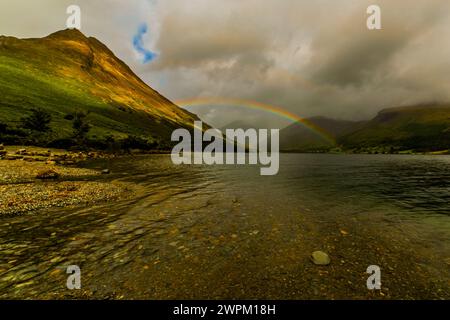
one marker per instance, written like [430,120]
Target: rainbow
[241,103]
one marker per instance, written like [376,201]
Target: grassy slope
[419,128]
[66,72]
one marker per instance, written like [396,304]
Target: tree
[3,127]
[80,126]
[39,120]
[136,142]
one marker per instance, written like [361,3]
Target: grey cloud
[347,53]
[309,57]
[193,41]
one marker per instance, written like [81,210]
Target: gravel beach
[21,191]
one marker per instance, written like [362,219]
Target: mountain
[241,124]
[415,128]
[67,72]
[419,128]
[298,137]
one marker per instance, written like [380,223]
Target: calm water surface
[227,232]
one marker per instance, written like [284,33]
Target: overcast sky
[308,57]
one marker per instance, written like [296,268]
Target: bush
[80,126]
[3,128]
[63,143]
[39,120]
[135,142]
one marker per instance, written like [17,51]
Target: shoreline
[41,179]
[22,192]
[406,153]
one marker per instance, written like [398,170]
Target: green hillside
[424,128]
[66,73]
[418,128]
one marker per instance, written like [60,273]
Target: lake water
[228,232]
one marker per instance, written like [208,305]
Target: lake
[224,232]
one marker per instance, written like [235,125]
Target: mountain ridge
[298,137]
[423,127]
[67,71]
[419,127]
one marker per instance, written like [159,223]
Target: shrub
[3,128]
[39,120]
[63,143]
[80,126]
[135,142]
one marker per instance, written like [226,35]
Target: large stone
[13,157]
[48,175]
[42,154]
[320,258]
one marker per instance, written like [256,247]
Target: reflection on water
[416,183]
[227,232]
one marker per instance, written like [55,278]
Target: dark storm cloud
[358,55]
[309,57]
[355,62]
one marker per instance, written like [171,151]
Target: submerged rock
[320,258]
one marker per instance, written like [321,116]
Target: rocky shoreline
[49,156]
[34,178]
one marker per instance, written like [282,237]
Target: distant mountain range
[298,137]
[422,128]
[67,72]
[416,128]
[242,124]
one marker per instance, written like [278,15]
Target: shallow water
[227,232]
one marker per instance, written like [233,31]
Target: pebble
[320,258]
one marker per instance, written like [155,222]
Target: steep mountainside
[67,72]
